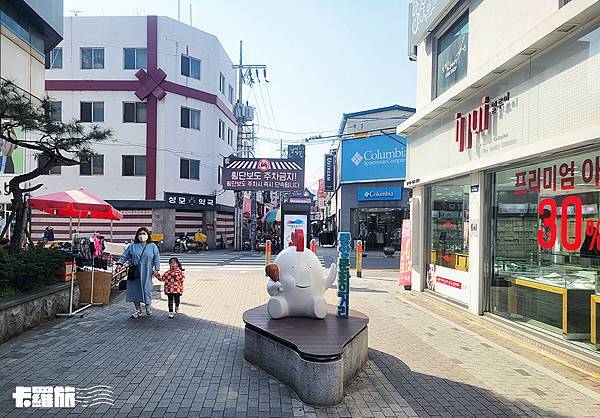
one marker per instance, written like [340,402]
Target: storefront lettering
[546,236]
[379,155]
[557,176]
[474,122]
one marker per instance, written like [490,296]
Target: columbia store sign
[262,174]
[381,157]
[477,121]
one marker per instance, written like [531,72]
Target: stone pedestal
[318,358]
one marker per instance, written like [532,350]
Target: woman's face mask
[143,237]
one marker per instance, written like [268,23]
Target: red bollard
[359,254]
[268,252]
[313,245]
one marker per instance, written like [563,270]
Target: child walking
[173,279]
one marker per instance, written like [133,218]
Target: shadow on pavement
[432,395]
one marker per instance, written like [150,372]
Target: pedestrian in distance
[143,258]
[173,280]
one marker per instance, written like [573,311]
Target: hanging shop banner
[263,174]
[292,223]
[405,255]
[381,157]
[329,174]
[321,194]
[296,152]
[190,201]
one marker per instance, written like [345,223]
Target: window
[92,111]
[56,111]
[220,175]
[134,58]
[190,118]
[93,166]
[449,239]
[221,130]
[231,94]
[56,58]
[134,165]
[43,160]
[189,169]
[92,58]
[135,112]
[18,22]
[222,83]
[230,136]
[546,252]
[190,67]
[452,54]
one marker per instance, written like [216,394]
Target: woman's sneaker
[148,310]
[171,314]
[136,314]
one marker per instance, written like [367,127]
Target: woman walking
[143,258]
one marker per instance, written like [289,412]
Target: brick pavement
[420,363]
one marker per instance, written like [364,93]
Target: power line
[299,133]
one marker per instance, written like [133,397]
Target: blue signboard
[379,157]
[366,194]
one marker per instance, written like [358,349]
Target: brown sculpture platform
[312,339]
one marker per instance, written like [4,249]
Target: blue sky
[324,57]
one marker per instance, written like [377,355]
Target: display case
[557,295]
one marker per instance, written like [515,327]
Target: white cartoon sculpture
[297,282]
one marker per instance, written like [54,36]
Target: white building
[167,90]
[504,159]
[29,30]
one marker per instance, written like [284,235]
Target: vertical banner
[329,174]
[321,194]
[405,255]
[343,308]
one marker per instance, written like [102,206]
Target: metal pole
[239,115]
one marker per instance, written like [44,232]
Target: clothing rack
[74,238]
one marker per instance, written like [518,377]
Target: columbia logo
[356,158]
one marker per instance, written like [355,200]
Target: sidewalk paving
[420,363]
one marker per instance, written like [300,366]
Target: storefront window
[546,244]
[378,227]
[449,226]
[452,54]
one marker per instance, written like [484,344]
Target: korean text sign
[380,157]
[263,174]
[190,201]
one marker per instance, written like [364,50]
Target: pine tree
[56,144]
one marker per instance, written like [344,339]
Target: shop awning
[75,204]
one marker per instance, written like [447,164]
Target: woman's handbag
[133,273]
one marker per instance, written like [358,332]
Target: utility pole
[245,148]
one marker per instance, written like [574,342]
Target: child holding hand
[173,280]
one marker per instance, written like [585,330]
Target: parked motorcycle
[185,244]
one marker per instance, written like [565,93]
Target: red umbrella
[75,204]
